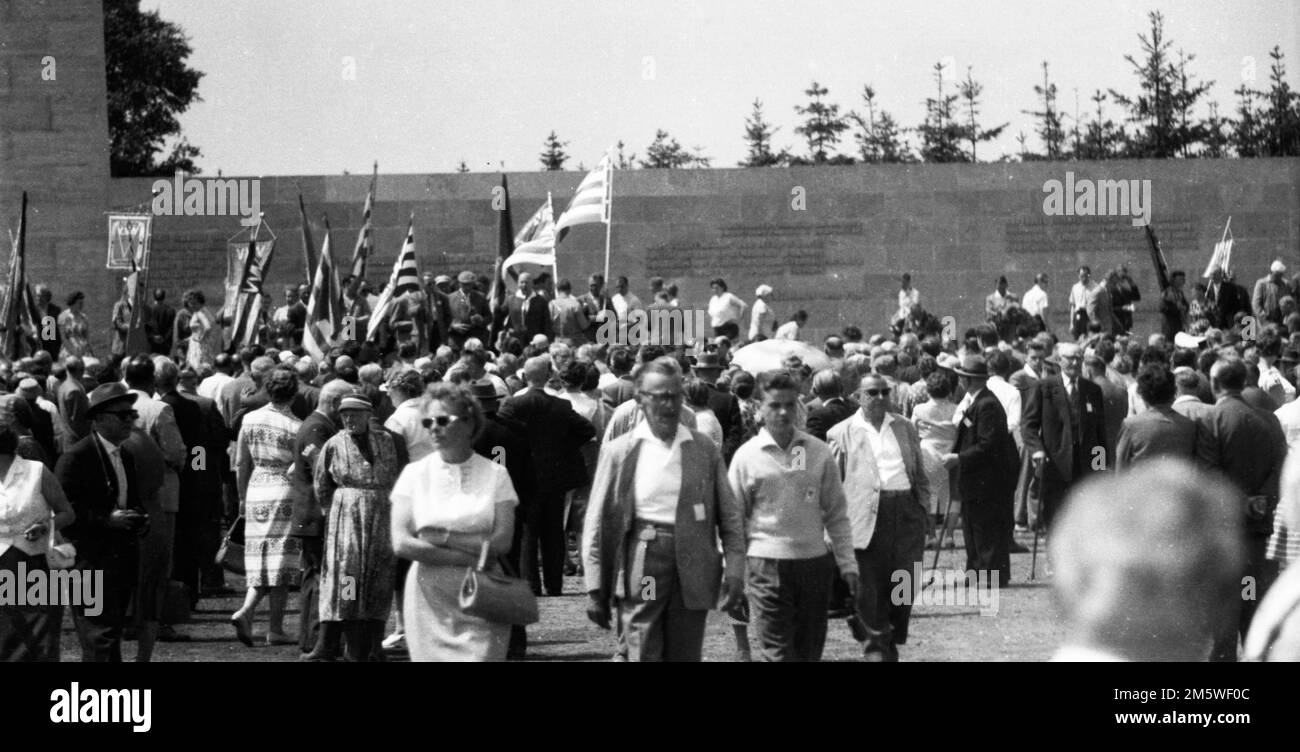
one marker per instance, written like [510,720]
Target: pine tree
[1050,128]
[1281,126]
[1216,139]
[665,153]
[624,162]
[970,92]
[941,135]
[462,167]
[553,156]
[1248,129]
[821,128]
[879,137]
[1102,138]
[1167,97]
[758,134]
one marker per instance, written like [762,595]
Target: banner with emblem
[128,241]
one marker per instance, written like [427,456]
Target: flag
[591,202]
[308,243]
[505,247]
[325,306]
[365,243]
[134,295]
[247,314]
[1222,256]
[405,278]
[20,317]
[535,243]
[1158,258]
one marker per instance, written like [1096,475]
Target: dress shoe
[395,641]
[857,628]
[243,629]
[1018,548]
[278,638]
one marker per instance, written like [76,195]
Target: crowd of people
[523,439]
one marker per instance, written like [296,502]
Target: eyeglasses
[662,398]
[442,421]
[878,392]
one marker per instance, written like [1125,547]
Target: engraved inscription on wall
[762,250]
[1085,235]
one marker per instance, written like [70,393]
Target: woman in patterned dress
[205,335]
[271,556]
[75,329]
[355,471]
[933,419]
[445,507]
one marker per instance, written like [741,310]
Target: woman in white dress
[933,419]
[205,334]
[762,319]
[444,507]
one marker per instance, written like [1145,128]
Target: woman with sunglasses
[445,507]
[355,471]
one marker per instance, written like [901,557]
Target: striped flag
[365,243]
[405,278]
[248,299]
[20,319]
[325,306]
[591,202]
[535,243]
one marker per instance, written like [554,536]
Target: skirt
[271,556]
[436,628]
[28,633]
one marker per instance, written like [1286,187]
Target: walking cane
[1038,480]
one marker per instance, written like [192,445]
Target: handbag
[231,554]
[497,598]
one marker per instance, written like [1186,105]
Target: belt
[645,532]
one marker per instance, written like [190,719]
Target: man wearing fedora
[986,458]
[469,312]
[724,405]
[98,477]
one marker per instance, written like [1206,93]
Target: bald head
[1147,561]
[330,395]
[537,370]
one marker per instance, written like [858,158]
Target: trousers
[653,619]
[544,534]
[787,606]
[898,543]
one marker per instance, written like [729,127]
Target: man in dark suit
[527,311]
[99,480]
[46,308]
[596,305]
[1113,396]
[72,402]
[317,640]
[189,515]
[469,313]
[505,439]
[832,407]
[986,457]
[215,441]
[1223,299]
[725,406]
[1064,428]
[1159,431]
[158,324]
[555,433]
[1248,446]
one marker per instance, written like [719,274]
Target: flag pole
[609,208]
[555,257]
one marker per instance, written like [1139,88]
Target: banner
[236,258]
[128,240]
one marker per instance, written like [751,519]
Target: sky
[318,88]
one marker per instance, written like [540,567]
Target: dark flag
[325,307]
[248,300]
[365,242]
[308,243]
[1158,258]
[20,318]
[505,248]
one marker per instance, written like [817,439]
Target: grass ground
[1025,627]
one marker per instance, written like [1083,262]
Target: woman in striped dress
[271,556]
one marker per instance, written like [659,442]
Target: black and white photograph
[725,332]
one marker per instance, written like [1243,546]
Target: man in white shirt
[660,500]
[1035,301]
[879,456]
[1079,295]
[790,329]
[211,386]
[404,389]
[624,304]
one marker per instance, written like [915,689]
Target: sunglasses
[442,421]
[878,392]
